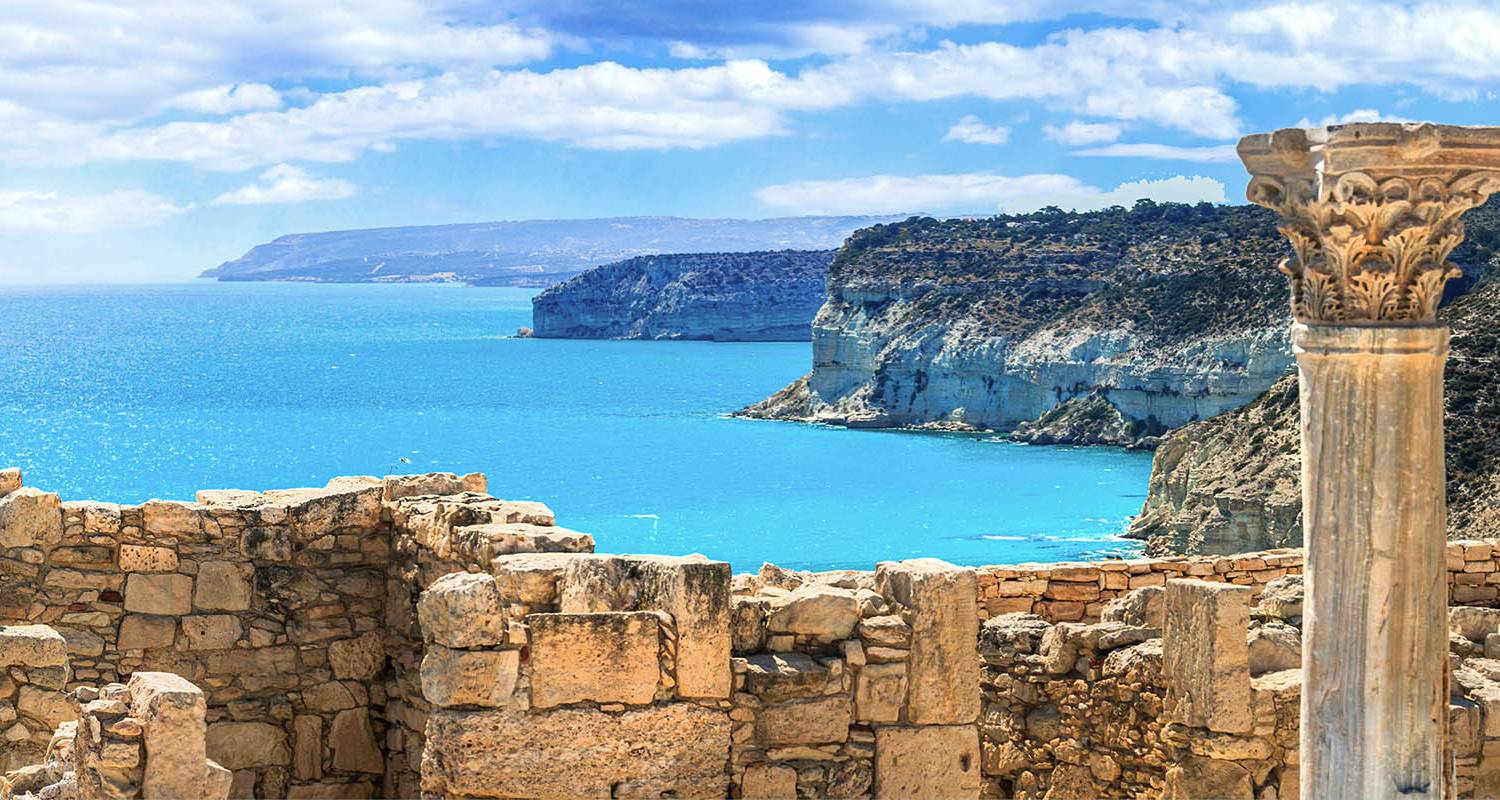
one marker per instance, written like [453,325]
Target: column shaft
[1375,672]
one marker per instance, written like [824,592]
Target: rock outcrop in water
[766,296]
[1150,317]
[1232,483]
[524,253]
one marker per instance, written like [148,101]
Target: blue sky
[148,140]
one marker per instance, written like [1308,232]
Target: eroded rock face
[766,296]
[679,748]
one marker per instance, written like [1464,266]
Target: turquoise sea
[133,392]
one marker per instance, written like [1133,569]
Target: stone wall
[1078,591]
[412,636]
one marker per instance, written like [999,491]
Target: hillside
[536,253]
[1232,483]
[1162,314]
[768,296]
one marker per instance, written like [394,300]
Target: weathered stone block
[774,677]
[30,518]
[32,646]
[880,692]
[353,743]
[141,558]
[1195,778]
[769,782]
[694,590]
[10,480]
[243,745]
[139,632]
[932,761]
[749,614]
[531,578]
[469,677]
[211,631]
[359,659]
[815,609]
[820,720]
[943,675]
[223,586]
[679,749]
[162,593]
[48,706]
[607,657]
[307,747]
[171,712]
[1206,655]
[463,609]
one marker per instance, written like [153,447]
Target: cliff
[768,296]
[536,253]
[1232,483]
[1162,314]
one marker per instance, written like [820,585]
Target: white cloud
[228,99]
[973,130]
[1358,115]
[976,192]
[1080,133]
[30,211]
[1210,154]
[285,183]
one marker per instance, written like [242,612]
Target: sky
[147,140]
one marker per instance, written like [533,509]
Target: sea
[126,393]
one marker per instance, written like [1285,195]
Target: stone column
[1372,212]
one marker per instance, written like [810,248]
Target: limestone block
[244,745]
[886,630]
[171,712]
[48,706]
[774,677]
[10,480]
[815,609]
[160,593]
[1274,647]
[678,749]
[358,659]
[769,782]
[140,631]
[819,720]
[1206,655]
[880,692]
[32,646]
[932,761]
[353,743]
[217,781]
[484,542]
[142,558]
[1474,623]
[1140,607]
[1282,599]
[531,578]
[30,518]
[344,504]
[268,543]
[396,487]
[471,677]
[172,519]
[307,747]
[943,676]
[82,642]
[609,657]
[211,631]
[223,586]
[1195,778]
[462,609]
[749,623]
[694,590]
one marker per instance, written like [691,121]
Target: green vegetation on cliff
[1232,483]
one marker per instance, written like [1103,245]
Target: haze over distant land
[523,253]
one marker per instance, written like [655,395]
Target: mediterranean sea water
[134,392]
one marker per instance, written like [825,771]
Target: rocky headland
[763,296]
[528,253]
[1103,327]
[1233,483]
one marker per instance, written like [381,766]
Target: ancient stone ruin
[414,637]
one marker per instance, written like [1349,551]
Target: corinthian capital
[1372,211]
